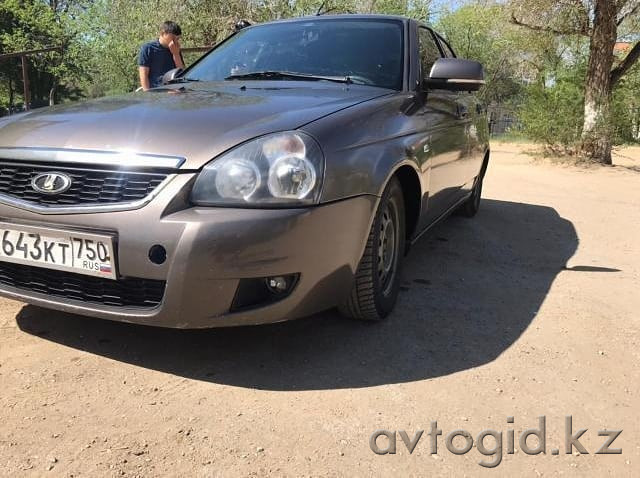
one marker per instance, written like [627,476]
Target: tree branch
[623,16]
[631,58]
[549,29]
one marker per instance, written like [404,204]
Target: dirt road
[529,310]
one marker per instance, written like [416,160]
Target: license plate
[89,254]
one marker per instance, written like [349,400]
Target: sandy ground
[530,309]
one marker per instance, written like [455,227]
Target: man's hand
[174,48]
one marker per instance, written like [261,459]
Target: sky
[439,5]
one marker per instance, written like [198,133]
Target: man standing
[159,56]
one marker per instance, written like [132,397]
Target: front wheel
[377,281]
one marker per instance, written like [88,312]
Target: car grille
[89,186]
[126,292]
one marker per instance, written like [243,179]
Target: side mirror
[456,75]
[171,75]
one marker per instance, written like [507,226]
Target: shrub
[553,114]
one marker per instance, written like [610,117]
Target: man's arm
[174,47]
[144,66]
[144,77]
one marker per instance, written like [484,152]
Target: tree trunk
[597,129]
[10,96]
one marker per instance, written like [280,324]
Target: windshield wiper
[288,75]
[182,80]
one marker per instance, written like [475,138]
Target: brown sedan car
[283,173]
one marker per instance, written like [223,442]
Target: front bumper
[209,250]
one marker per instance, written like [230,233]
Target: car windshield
[361,51]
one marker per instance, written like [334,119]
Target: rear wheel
[377,281]
[471,206]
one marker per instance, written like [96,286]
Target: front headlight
[280,169]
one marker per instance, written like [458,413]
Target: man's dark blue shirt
[159,60]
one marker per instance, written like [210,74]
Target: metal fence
[24,62]
[192,53]
[503,121]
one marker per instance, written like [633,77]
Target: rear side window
[429,51]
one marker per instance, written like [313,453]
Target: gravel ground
[528,310]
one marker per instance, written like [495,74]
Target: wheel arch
[409,180]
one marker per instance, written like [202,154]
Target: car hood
[194,121]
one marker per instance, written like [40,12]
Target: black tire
[377,280]
[471,206]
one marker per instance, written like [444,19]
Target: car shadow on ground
[470,289]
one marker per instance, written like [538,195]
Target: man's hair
[171,27]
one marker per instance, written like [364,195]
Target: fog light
[262,291]
[278,284]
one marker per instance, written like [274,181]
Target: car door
[471,112]
[445,124]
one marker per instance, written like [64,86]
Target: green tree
[626,108]
[600,22]
[480,31]
[112,31]
[34,24]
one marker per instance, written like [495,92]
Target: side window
[429,51]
